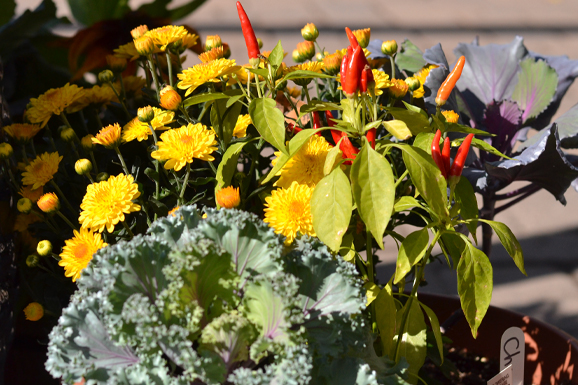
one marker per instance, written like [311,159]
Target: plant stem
[392,61]
[515,193]
[369,252]
[122,161]
[120,99]
[66,202]
[94,162]
[170,66]
[488,212]
[153,132]
[400,179]
[127,229]
[528,192]
[185,182]
[66,220]
[258,86]
[155,78]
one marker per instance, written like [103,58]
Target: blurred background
[547,230]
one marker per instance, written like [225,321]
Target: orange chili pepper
[448,85]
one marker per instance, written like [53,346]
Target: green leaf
[398,129]
[318,105]
[416,121]
[302,74]
[8,7]
[282,159]
[300,139]
[332,160]
[510,243]
[482,145]
[371,292]
[412,250]
[228,165]
[185,9]
[410,57]
[435,326]
[413,346]
[455,127]
[331,206]
[233,99]
[371,125]
[347,250]
[454,245]
[259,71]
[424,141]
[413,108]
[466,197]
[276,55]
[348,114]
[266,310]
[405,203]
[269,121]
[373,190]
[536,86]
[208,96]
[385,317]
[427,179]
[224,119]
[475,285]
[89,12]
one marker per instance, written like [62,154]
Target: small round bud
[413,83]
[83,166]
[212,41]
[34,311]
[67,134]
[144,45]
[102,176]
[389,47]
[260,42]
[116,64]
[170,98]
[398,89]
[105,76]
[228,197]
[306,49]
[297,58]
[281,85]
[139,31]
[226,51]
[310,32]
[332,63]
[6,150]
[48,203]
[44,248]
[32,260]
[363,36]
[86,142]
[146,114]
[24,205]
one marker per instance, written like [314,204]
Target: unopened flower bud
[226,51]
[6,150]
[306,49]
[145,114]
[398,89]
[212,41]
[228,197]
[139,31]
[281,85]
[260,42]
[67,134]
[144,45]
[48,203]
[363,36]
[86,142]
[83,166]
[389,47]
[102,176]
[310,32]
[297,58]
[170,98]
[44,248]
[116,64]
[24,205]
[332,63]
[32,260]
[105,76]
[34,311]
[413,83]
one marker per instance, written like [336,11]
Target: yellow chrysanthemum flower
[52,102]
[421,75]
[193,77]
[105,203]
[34,311]
[451,116]
[189,40]
[180,146]
[398,88]
[213,54]
[314,66]
[173,210]
[30,193]
[41,170]
[135,129]
[78,251]
[228,197]
[109,136]
[22,132]
[96,95]
[166,35]
[288,211]
[127,51]
[306,166]
[243,122]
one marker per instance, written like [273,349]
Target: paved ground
[547,230]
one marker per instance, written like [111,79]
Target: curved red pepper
[348,150]
[437,155]
[460,159]
[352,38]
[448,85]
[366,79]
[370,135]
[316,121]
[351,83]
[446,154]
[293,128]
[344,62]
[248,33]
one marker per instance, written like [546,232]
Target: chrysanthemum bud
[48,203]
[86,142]
[102,176]
[34,311]
[170,98]
[297,58]
[451,116]
[332,63]
[228,197]
[67,134]
[260,43]
[306,49]
[226,51]
[105,76]
[109,136]
[44,248]
[310,32]
[32,260]
[139,31]
[83,166]
[116,64]
[389,47]
[24,205]
[281,85]
[144,45]
[6,150]
[363,36]
[213,41]
[413,83]
[398,88]
[145,114]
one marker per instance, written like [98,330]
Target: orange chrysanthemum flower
[109,136]
[22,132]
[228,197]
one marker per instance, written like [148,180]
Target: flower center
[186,139]
[81,251]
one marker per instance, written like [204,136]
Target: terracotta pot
[551,354]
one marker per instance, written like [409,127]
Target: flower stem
[122,161]
[170,66]
[153,132]
[155,77]
[66,220]
[185,182]
[127,229]
[94,162]
[120,98]
[66,202]
[392,61]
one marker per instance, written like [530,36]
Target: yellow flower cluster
[202,73]
[135,129]
[52,102]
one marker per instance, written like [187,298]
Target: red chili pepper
[460,160]
[370,135]
[344,62]
[352,38]
[437,155]
[348,150]
[367,79]
[351,83]
[446,154]
[293,128]
[448,85]
[248,33]
[316,121]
